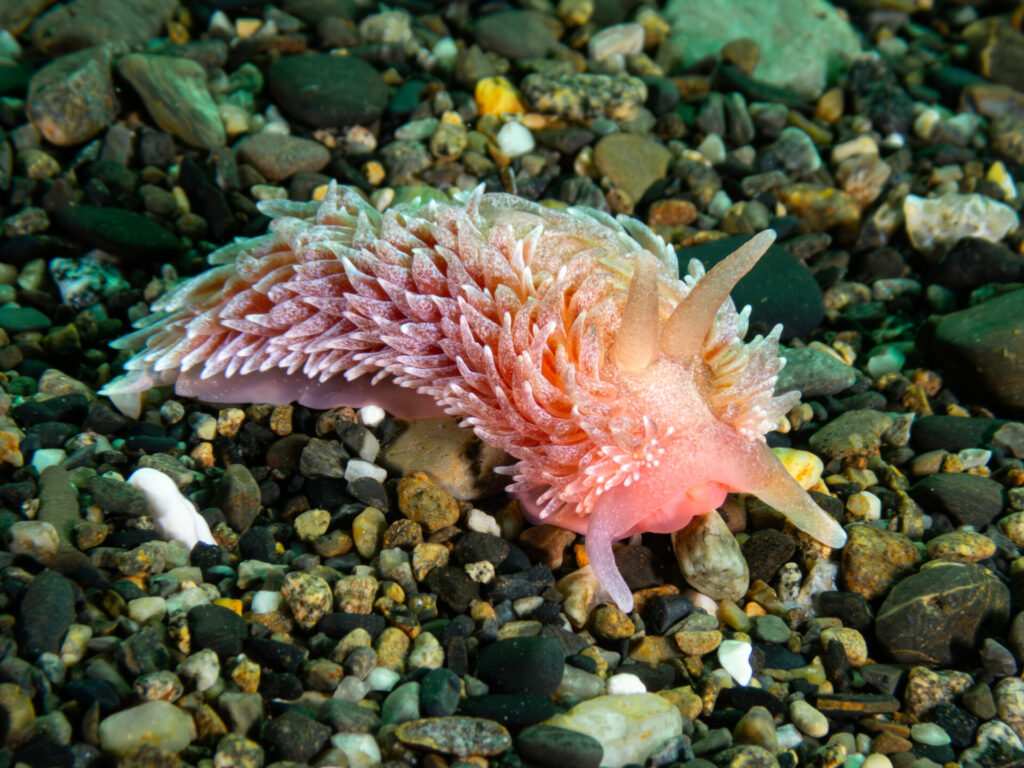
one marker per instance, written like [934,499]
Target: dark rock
[522,665]
[337,625]
[982,348]
[123,233]
[965,499]
[453,587]
[952,433]
[974,261]
[439,693]
[852,608]
[779,289]
[662,613]
[58,501]
[118,496]
[22,319]
[515,34]
[79,24]
[218,628]
[282,657]
[142,652]
[513,710]
[349,717]
[280,685]
[73,98]
[47,610]
[935,615]
[294,736]
[238,495]
[884,678]
[513,586]
[555,747]
[257,544]
[765,552]
[326,91]
[474,547]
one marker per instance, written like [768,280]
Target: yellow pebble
[246,27]
[230,603]
[804,466]
[497,96]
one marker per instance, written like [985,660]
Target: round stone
[326,91]
[522,665]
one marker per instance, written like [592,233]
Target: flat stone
[238,495]
[121,232]
[327,91]
[965,499]
[982,347]
[515,34]
[554,747]
[47,611]
[935,224]
[628,726]
[929,616]
[82,23]
[156,722]
[802,42]
[522,665]
[175,94]
[278,156]
[873,559]
[295,736]
[217,628]
[72,98]
[631,163]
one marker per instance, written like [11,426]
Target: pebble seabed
[353,611]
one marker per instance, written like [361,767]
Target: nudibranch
[626,394]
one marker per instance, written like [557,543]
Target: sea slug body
[626,395]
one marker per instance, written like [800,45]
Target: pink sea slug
[626,395]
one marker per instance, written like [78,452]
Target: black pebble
[513,710]
[257,544]
[218,628]
[47,610]
[439,693]
[295,737]
[522,665]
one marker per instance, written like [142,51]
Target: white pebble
[265,601]
[360,749]
[626,682]
[789,736]
[620,39]
[865,505]
[713,148]
[47,457]
[929,733]
[382,679]
[351,689]
[143,609]
[357,468]
[204,426]
[514,139]
[173,514]
[973,458]
[734,656]
[187,599]
[371,416]
[479,521]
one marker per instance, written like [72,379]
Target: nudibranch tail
[686,328]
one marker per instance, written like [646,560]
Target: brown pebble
[546,544]
[607,622]
[743,52]
[422,501]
